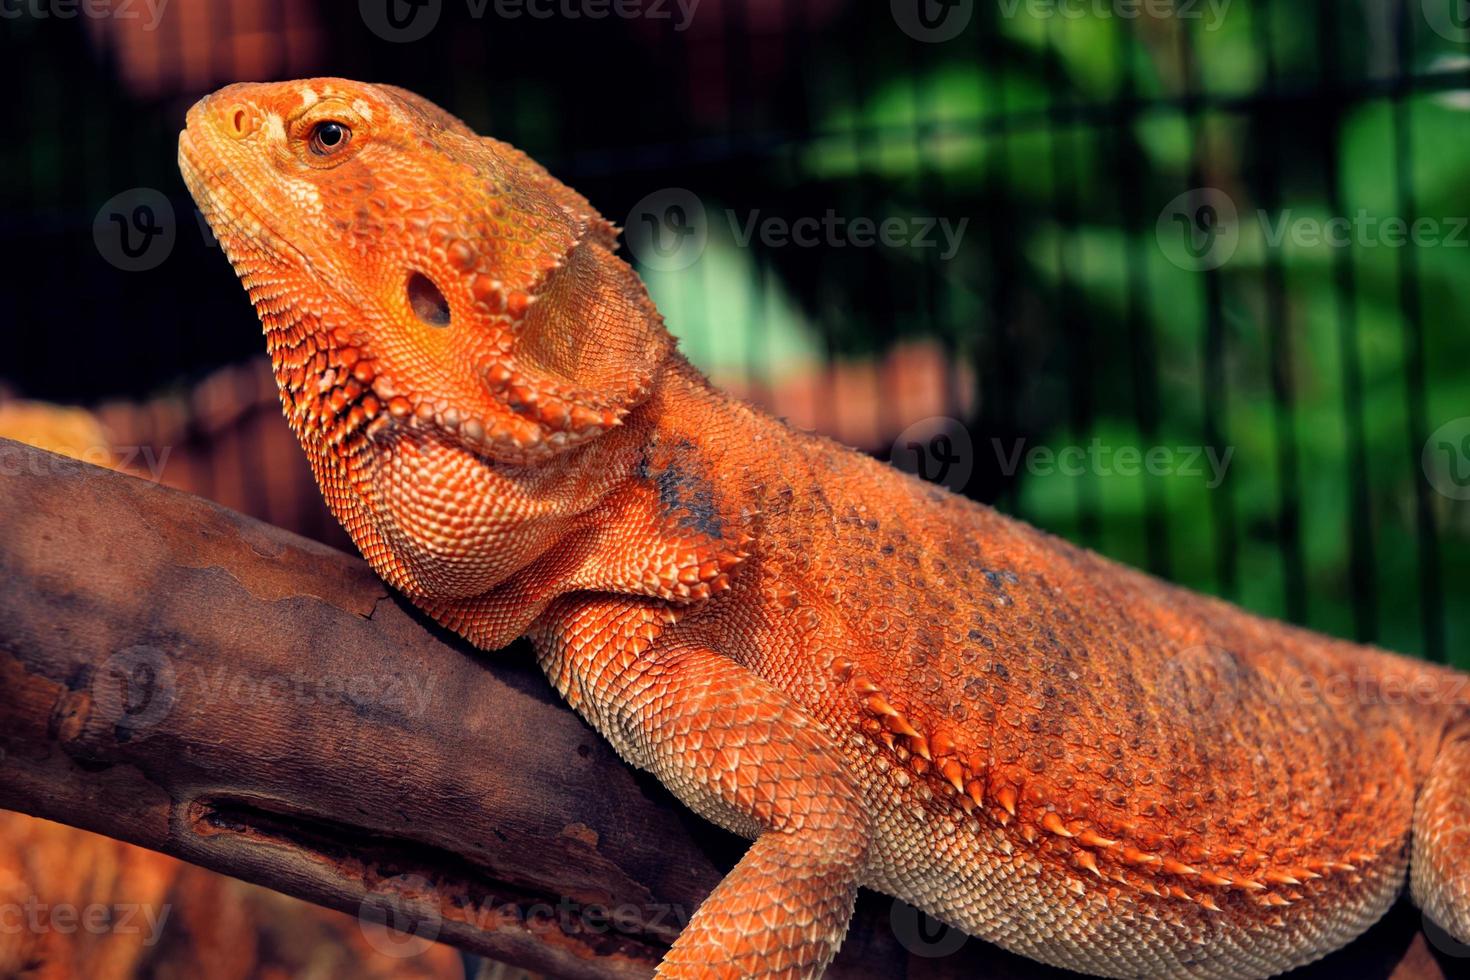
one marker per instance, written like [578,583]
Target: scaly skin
[879,682]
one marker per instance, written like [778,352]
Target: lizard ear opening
[427,301]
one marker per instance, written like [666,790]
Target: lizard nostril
[239,121]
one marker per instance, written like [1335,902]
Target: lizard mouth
[233,213]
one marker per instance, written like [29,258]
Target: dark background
[1071,311]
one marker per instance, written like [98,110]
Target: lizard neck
[698,451]
[652,512]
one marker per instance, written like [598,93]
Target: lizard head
[473,291]
[425,292]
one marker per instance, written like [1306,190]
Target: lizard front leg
[745,755]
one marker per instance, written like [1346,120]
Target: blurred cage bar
[1129,278]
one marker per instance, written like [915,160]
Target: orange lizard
[880,683]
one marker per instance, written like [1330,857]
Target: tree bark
[188,679]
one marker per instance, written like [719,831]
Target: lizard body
[879,682]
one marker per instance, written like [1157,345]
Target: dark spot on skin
[999,580]
[687,498]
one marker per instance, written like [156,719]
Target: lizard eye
[428,303]
[329,137]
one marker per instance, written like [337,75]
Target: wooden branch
[188,679]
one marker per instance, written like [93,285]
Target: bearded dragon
[879,682]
